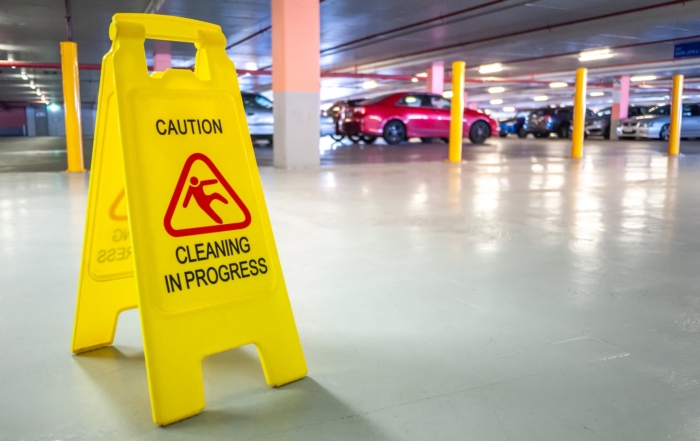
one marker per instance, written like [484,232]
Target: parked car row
[541,123]
[558,120]
[394,117]
[402,115]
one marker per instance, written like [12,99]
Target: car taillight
[359,110]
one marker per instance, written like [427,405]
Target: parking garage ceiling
[536,41]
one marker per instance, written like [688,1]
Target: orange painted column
[296,79]
[162,58]
[621,95]
[435,82]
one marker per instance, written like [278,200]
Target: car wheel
[563,131]
[337,137]
[522,133]
[479,132]
[606,133]
[354,138]
[394,132]
[503,135]
[369,139]
[665,133]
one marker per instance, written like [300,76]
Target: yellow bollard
[71,100]
[579,113]
[674,139]
[457,112]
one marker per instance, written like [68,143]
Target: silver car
[657,123]
[261,120]
[258,110]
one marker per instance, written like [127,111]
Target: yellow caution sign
[176,221]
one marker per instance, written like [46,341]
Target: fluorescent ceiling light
[32,85]
[490,68]
[643,78]
[558,84]
[38,92]
[422,74]
[447,94]
[597,93]
[541,98]
[414,80]
[497,89]
[509,109]
[251,65]
[598,54]
[496,101]
[369,84]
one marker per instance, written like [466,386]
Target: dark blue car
[513,125]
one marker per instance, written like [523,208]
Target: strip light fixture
[643,78]
[490,68]
[598,54]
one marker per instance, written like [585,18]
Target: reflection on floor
[518,296]
[43,154]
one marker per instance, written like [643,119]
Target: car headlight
[646,124]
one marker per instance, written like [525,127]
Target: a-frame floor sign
[176,219]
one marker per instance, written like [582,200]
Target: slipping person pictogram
[224,217]
[204,200]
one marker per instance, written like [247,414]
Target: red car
[399,116]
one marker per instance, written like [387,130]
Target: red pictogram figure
[202,199]
[196,191]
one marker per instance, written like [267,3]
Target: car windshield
[255,101]
[542,112]
[377,99]
[660,110]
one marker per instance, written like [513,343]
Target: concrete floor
[519,296]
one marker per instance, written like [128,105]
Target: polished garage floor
[518,296]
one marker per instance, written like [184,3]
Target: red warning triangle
[197,196]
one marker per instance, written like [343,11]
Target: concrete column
[621,95]
[296,78]
[162,58]
[435,82]
[31,121]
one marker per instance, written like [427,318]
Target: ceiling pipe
[622,46]
[69,26]
[258,72]
[533,30]
[413,25]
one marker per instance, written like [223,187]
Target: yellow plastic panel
[208,275]
[106,286]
